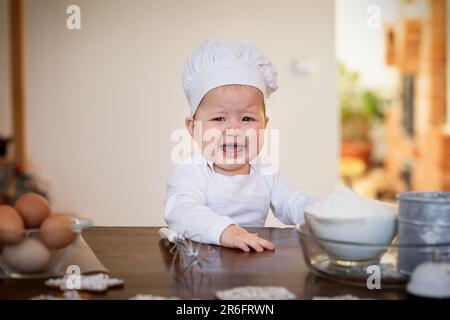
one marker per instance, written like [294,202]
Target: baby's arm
[185,209]
[186,212]
[287,201]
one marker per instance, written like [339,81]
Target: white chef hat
[214,64]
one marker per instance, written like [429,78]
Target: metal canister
[423,228]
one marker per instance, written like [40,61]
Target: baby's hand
[237,237]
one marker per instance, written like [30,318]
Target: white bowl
[379,230]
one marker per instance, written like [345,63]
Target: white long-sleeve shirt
[201,203]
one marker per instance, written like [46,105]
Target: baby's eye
[220,119]
[247,119]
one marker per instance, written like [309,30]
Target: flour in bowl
[344,203]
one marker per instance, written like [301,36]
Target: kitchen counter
[144,261]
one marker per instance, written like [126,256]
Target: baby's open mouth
[233,148]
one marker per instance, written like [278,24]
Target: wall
[104,100]
[362,48]
[448,65]
[5,94]
[432,170]
[427,151]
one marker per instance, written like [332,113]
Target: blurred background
[86,114]
[394,119]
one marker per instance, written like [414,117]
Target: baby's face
[229,126]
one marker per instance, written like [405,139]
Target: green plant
[359,106]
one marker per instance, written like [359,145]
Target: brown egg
[11,225]
[55,231]
[28,256]
[33,208]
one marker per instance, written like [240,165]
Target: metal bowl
[424,218]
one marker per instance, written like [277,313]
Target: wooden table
[138,256]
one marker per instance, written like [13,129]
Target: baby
[213,196]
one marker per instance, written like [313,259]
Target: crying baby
[213,195]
